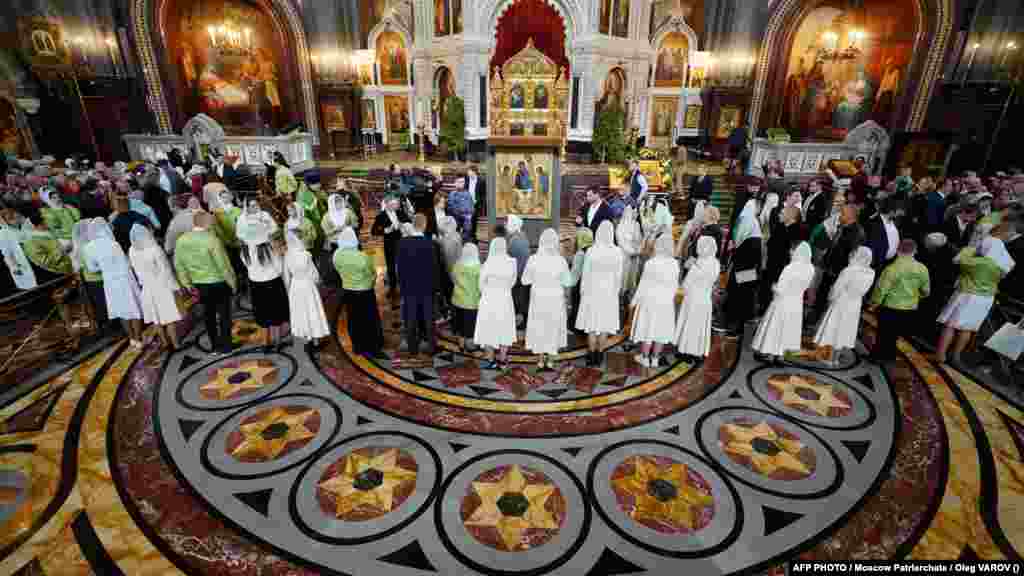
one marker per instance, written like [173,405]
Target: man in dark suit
[595,212]
[935,210]
[882,234]
[701,188]
[418,274]
[817,206]
[959,228]
[477,188]
[388,224]
[637,185]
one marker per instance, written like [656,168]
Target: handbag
[1008,341]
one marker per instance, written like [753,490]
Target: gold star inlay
[268,436]
[767,451]
[230,382]
[664,495]
[366,481]
[800,391]
[512,527]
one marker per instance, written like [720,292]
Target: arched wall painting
[670,67]
[447,17]
[12,141]
[825,98]
[393,58]
[243,92]
[444,87]
[612,93]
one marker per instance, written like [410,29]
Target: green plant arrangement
[778,135]
[453,132]
[609,141]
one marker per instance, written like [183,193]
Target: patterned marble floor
[288,463]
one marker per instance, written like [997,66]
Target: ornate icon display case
[529,97]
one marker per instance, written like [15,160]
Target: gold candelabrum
[529,97]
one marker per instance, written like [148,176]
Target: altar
[202,134]
[868,141]
[527,141]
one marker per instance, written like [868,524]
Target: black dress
[778,248]
[742,296]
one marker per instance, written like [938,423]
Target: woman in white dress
[124,299]
[630,240]
[159,284]
[693,326]
[496,315]
[548,275]
[691,232]
[839,325]
[306,309]
[338,218]
[655,306]
[782,326]
[599,292]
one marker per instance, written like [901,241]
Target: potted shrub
[609,141]
[453,132]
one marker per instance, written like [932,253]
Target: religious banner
[524,183]
[692,119]
[396,109]
[728,119]
[392,58]
[663,116]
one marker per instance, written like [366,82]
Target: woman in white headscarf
[547,275]
[745,269]
[306,309]
[120,288]
[654,302]
[265,270]
[839,325]
[466,293]
[358,278]
[601,281]
[338,218]
[981,270]
[255,214]
[691,232]
[159,284]
[298,224]
[14,256]
[781,328]
[449,245]
[496,315]
[693,325]
[59,218]
[630,240]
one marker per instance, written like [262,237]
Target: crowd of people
[146,240]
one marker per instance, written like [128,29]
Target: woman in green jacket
[466,293]
[981,270]
[358,279]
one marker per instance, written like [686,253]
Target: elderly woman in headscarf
[745,269]
[601,281]
[496,315]
[11,234]
[123,297]
[59,218]
[781,328]
[306,309]
[839,325]
[693,325]
[630,240]
[981,269]
[81,236]
[654,303]
[159,285]
[783,233]
[449,248]
[547,275]
[358,276]
[182,222]
[265,271]
[518,248]
[466,293]
[691,232]
[298,224]
[337,218]
[584,240]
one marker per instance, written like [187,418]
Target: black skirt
[98,299]
[464,322]
[269,302]
[363,321]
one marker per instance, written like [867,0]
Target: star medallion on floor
[663,494]
[766,450]
[367,483]
[807,395]
[520,504]
[230,381]
[271,433]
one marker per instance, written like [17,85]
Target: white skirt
[966,311]
[306,310]
[159,306]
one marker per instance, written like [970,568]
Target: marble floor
[301,463]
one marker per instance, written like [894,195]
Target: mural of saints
[670,67]
[516,100]
[392,58]
[441,27]
[540,98]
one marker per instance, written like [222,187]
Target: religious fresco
[830,88]
[524,183]
[663,116]
[670,67]
[397,110]
[393,58]
[728,120]
[692,11]
[442,22]
[240,87]
[615,17]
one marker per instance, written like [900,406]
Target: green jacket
[466,294]
[979,275]
[225,229]
[60,221]
[307,233]
[45,251]
[356,270]
[902,284]
[200,258]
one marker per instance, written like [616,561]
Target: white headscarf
[337,207]
[605,236]
[832,223]
[628,229]
[770,202]
[513,224]
[994,249]
[348,240]
[142,239]
[707,248]
[747,225]
[108,255]
[213,195]
[498,260]
[935,240]
[549,243]
[861,257]
[79,238]
[14,256]
[802,253]
[294,221]
[50,197]
[253,231]
[294,243]
[663,219]
[470,254]
[663,246]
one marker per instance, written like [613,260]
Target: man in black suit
[959,228]
[477,188]
[418,273]
[595,212]
[882,234]
[388,224]
[701,188]
[817,206]
[935,210]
